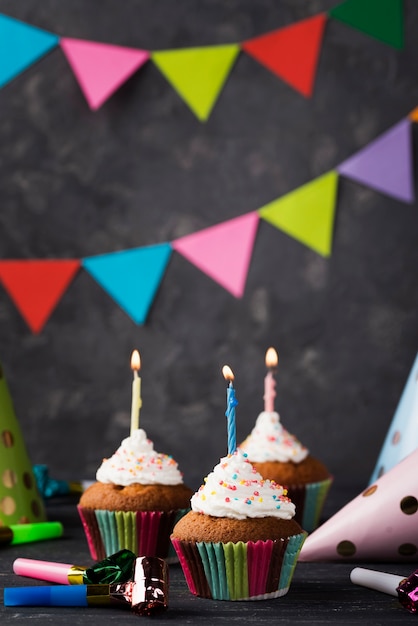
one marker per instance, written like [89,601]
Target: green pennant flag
[382,19]
[307,213]
[197,74]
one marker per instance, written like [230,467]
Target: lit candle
[136,391]
[231,403]
[269,383]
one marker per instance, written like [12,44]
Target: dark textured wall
[143,170]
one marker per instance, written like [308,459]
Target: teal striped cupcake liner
[309,501]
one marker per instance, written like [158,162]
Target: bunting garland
[198,74]
[223,251]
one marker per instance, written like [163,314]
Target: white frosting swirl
[269,441]
[235,489]
[135,461]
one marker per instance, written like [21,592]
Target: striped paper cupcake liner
[309,501]
[143,532]
[239,571]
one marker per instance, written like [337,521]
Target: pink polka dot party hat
[380,524]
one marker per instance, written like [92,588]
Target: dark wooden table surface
[321,593]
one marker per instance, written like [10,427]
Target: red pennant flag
[292,53]
[36,286]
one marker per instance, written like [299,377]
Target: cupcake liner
[143,532]
[309,500]
[239,571]
[92,532]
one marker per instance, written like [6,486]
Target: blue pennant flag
[21,45]
[131,277]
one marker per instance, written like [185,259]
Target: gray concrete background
[143,170]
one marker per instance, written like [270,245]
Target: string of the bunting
[132,277]
[198,74]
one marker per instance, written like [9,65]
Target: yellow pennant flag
[307,213]
[197,74]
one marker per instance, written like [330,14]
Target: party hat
[402,436]
[20,501]
[380,524]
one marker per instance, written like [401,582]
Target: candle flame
[271,358]
[227,373]
[135,361]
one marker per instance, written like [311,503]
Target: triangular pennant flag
[380,524]
[402,436]
[307,213]
[36,286]
[21,45]
[223,251]
[131,277]
[385,164]
[100,68]
[197,74]
[381,19]
[292,52]
[413,116]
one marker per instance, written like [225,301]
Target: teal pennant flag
[131,277]
[21,45]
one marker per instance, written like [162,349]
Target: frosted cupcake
[239,541]
[135,503]
[279,456]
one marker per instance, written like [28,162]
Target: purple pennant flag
[385,164]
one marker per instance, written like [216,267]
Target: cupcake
[279,456]
[240,540]
[135,503]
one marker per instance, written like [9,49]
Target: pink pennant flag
[100,68]
[223,251]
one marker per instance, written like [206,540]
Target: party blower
[116,568]
[402,587]
[146,594]
[28,533]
